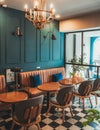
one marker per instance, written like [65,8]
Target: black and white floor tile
[53,121]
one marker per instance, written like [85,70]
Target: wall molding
[27,52]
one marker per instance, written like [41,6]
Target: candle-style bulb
[26,7]
[51,6]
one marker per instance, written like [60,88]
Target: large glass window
[83,48]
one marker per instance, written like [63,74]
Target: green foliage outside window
[92,115]
[77,68]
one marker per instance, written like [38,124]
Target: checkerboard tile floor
[53,121]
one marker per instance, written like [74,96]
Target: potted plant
[92,115]
[76,70]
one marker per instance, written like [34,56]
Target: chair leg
[49,108]
[38,126]
[96,99]
[71,110]
[25,128]
[90,102]
[79,100]
[73,99]
[12,126]
[83,104]
[57,109]
[63,115]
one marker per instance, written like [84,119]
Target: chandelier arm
[29,18]
[45,36]
[48,11]
[38,15]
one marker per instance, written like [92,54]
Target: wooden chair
[62,100]
[96,89]
[84,91]
[27,112]
[2,84]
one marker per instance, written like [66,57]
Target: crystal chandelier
[39,16]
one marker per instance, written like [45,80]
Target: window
[83,43]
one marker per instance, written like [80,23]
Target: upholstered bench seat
[45,75]
[34,91]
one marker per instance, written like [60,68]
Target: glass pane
[88,45]
[69,47]
[73,46]
[84,72]
[78,44]
[68,70]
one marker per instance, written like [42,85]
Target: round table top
[66,81]
[12,97]
[49,87]
[71,81]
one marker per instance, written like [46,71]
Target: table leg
[48,99]
[73,100]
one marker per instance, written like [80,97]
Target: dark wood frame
[88,65]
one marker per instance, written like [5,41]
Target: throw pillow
[35,80]
[57,77]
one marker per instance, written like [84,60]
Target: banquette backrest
[2,84]
[46,75]
[3,106]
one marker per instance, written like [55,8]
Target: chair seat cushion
[96,93]
[32,92]
[80,96]
[54,101]
[76,93]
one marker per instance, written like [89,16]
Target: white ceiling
[65,8]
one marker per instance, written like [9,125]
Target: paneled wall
[31,50]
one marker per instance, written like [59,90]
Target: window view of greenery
[82,50]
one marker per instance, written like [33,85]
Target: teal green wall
[30,50]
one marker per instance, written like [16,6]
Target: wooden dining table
[13,97]
[49,87]
[66,81]
[70,81]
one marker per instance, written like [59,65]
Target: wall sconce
[18,32]
[52,36]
